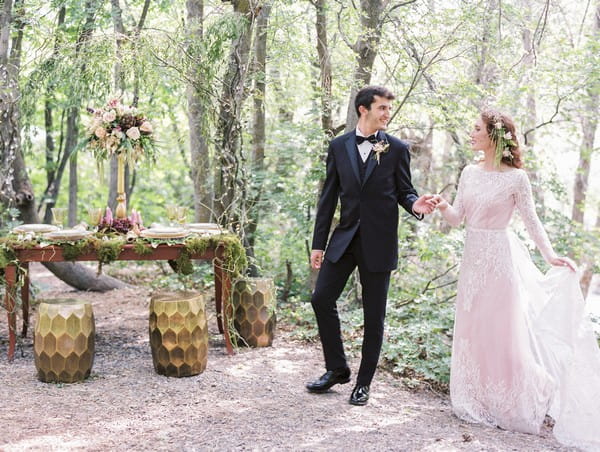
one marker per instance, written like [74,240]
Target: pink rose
[146,127]
[100,132]
[109,116]
[133,133]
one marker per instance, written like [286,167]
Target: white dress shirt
[364,149]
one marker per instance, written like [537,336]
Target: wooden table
[54,253]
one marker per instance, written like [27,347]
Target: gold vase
[254,303]
[63,341]
[178,333]
[121,209]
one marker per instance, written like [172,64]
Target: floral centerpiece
[122,131]
[118,129]
[108,223]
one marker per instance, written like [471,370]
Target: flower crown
[503,139]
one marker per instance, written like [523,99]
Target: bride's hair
[490,119]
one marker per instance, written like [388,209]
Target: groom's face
[378,116]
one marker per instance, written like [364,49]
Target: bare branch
[393,8]
[587,7]
[541,25]
[342,34]
[545,123]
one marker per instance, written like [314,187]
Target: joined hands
[426,204]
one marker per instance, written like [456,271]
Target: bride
[522,345]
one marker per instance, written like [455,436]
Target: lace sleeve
[455,213]
[526,207]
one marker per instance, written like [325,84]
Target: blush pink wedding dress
[523,346]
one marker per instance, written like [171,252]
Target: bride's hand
[440,202]
[563,262]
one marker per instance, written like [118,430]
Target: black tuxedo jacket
[371,205]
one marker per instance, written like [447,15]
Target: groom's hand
[316,259]
[425,204]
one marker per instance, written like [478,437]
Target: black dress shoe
[328,379]
[360,395]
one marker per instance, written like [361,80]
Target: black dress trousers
[330,284]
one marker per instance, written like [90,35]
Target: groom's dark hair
[366,96]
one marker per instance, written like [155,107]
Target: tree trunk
[531,110]
[258,135]
[485,73]
[365,50]
[53,188]
[589,124]
[120,36]
[136,69]
[325,68]
[71,143]
[229,137]
[9,94]
[73,186]
[199,157]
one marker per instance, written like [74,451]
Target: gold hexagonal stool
[178,333]
[254,304]
[64,340]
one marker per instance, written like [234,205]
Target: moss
[197,245]
[234,255]
[141,248]
[183,264]
[235,260]
[72,250]
[109,250]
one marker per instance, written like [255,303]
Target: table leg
[10,276]
[25,298]
[218,270]
[227,310]
[223,305]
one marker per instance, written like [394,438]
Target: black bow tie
[370,139]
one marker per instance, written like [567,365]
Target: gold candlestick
[121,210]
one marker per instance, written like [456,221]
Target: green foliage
[7,256]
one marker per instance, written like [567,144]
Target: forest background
[244,96]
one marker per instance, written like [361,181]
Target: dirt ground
[254,400]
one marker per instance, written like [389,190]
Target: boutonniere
[381,147]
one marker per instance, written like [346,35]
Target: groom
[369,171]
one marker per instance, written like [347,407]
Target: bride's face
[480,140]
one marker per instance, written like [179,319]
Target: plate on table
[36,228]
[68,234]
[164,233]
[204,228]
